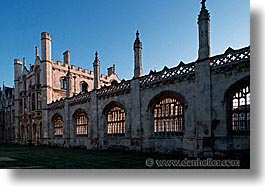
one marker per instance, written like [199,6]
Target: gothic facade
[201,108]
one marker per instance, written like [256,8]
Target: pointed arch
[237,98]
[116,116]
[63,82]
[83,86]
[81,122]
[167,113]
[58,124]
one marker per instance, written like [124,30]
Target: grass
[23,157]
[15,156]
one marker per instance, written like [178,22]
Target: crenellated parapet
[58,65]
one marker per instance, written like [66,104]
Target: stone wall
[203,88]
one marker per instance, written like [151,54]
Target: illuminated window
[81,121]
[58,125]
[168,117]
[240,111]
[116,121]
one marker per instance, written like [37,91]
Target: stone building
[201,108]
[7,111]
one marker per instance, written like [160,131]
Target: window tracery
[240,112]
[81,120]
[58,125]
[168,116]
[116,121]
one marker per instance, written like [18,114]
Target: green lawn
[20,157]
[14,156]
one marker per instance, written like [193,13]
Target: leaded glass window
[116,121]
[168,116]
[240,115]
[58,126]
[81,123]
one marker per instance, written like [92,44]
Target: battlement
[74,69]
[77,70]
[17,62]
[45,35]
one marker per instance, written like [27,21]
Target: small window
[83,87]
[38,78]
[63,83]
[33,102]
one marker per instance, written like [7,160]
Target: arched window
[83,86]
[58,125]
[240,109]
[116,121]
[168,116]
[63,83]
[167,112]
[33,102]
[81,121]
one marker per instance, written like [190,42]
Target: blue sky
[168,30]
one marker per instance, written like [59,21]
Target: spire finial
[137,34]
[24,62]
[203,4]
[36,51]
[96,54]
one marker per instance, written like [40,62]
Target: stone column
[17,73]
[136,125]
[203,108]
[96,128]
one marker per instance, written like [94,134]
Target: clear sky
[168,30]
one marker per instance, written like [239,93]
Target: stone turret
[17,74]
[96,66]
[204,32]
[46,46]
[111,70]
[46,81]
[66,57]
[17,68]
[137,47]
[46,68]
